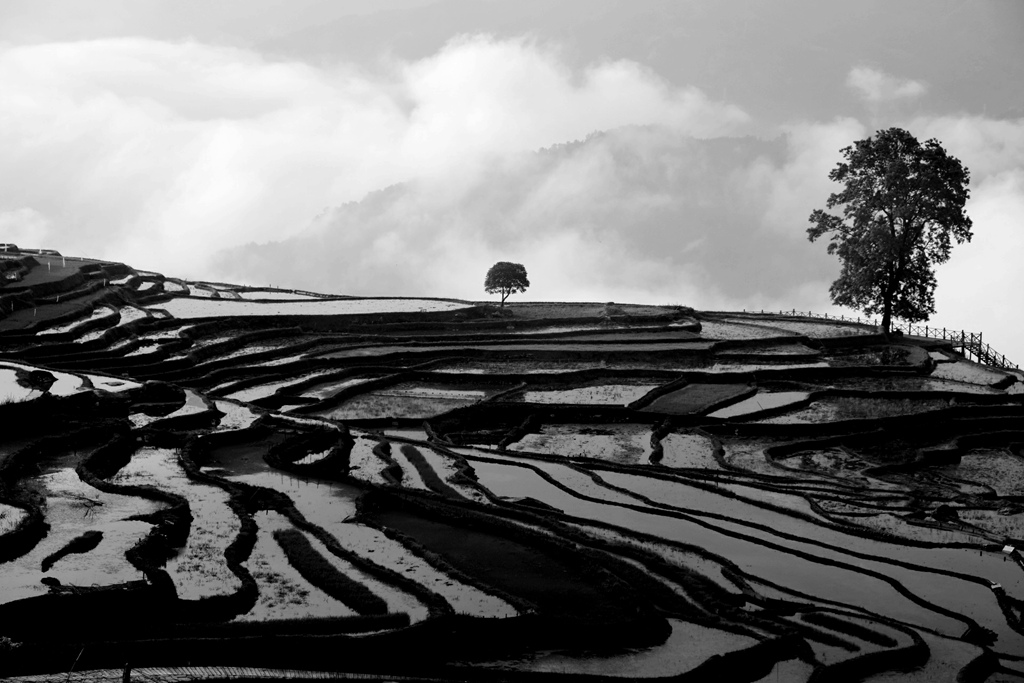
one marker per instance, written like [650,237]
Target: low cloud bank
[877,86]
[162,153]
[636,213]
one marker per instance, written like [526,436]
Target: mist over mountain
[645,212]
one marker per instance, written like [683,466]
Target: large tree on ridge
[901,203]
[506,278]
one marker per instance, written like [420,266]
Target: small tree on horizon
[901,203]
[506,278]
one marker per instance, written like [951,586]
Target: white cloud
[25,227]
[791,191]
[985,146]
[644,214]
[512,95]
[980,286]
[877,86]
[159,153]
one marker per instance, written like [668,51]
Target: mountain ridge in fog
[634,209]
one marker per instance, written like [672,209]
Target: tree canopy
[901,204]
[505,278]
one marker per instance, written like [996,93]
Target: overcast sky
[661,151]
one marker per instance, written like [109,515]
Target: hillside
[601,489]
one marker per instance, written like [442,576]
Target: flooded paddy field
[625,444]
[198,570]
[637,492]
[74,508]
[601,394]
[409,402]
[205,307]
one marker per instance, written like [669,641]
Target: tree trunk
[887,312]
[504,295]
[890,294]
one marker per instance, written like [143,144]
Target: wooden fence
[967,343]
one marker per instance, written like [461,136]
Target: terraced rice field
[206,307]
[198,570]
[74,508]
[384,404]
[627,444]
[641,492]
[601,394]
[760,402]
